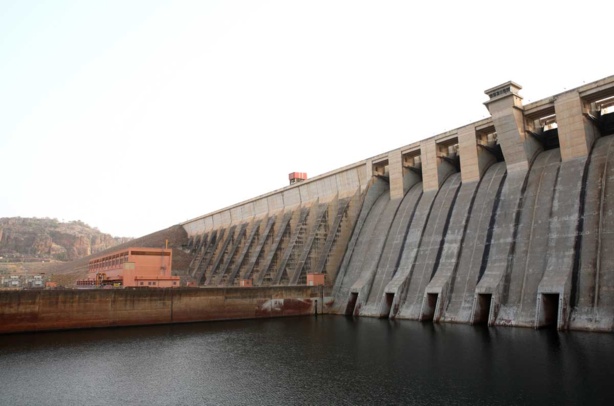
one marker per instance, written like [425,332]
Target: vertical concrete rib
[567,209]
[308,244]
[517,302]
[496,259]
[330,238]
[200,253]
[249,269]
[397,287]
[464,276]
[243,253]
[519,150]
[429,249]
[221,254]
[381,219]
[203,239]
[215,239]
[228,259]
[339,243]
[264,270]
[357,246]
[604,288]
[593,307]
[376,305]
[289,248]
[450,252]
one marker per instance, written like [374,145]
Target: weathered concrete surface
[500,248]
[428,254]
[22,311]
[397,287]
[564,240]
[373,253]
[506,221]
[356,255]
[376,305]
[502,244]
[592,297]
[525,271]
[477,235]
[437,291]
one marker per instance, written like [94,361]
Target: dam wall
[505,221]
[280,237]
[32,310]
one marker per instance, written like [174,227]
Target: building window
[142,283]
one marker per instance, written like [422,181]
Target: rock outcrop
[44,238]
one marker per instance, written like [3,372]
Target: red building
[316,279]
[133,267]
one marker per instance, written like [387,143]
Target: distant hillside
[175,237]
[32,239]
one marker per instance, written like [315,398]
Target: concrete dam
[505,221]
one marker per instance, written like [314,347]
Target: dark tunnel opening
[482,310]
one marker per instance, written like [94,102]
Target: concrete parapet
[275,202]
[291,198]
[325,188]
[260,209]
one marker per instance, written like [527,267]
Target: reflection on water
[325,360]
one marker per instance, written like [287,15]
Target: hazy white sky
[133,115]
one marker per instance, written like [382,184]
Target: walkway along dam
[505,221]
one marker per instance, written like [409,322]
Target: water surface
[330,360]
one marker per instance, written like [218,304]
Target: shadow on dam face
[548,310]
[428,307]
[349,309]
[388,301]
[482,308]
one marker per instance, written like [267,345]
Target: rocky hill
[45,238]
[175,237]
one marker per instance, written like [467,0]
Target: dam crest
[505,221]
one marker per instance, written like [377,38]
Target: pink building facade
[133,267]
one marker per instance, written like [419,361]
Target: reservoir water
[328,360]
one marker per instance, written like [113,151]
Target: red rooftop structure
[297,177]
